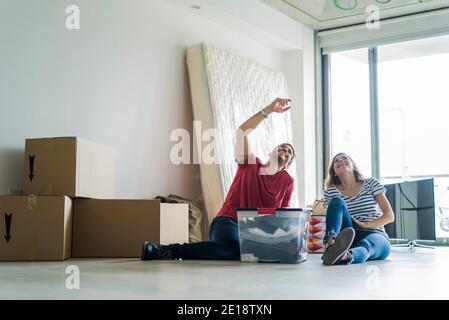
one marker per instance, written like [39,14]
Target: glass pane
[350,107]
[414,116]
[413,101]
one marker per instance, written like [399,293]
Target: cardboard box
[35,228]
[69,166]
[117,228]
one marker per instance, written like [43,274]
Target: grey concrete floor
[417,274]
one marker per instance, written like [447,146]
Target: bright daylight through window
[413,113]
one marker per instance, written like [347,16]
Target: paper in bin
[316,229]
[317,219]
[316,248]
[319,234]
[279,236]
[315,245]
[321,225]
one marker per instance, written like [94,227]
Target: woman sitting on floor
[357,211]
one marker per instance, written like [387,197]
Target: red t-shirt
[250,189]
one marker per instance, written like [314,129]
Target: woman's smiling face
[342,163]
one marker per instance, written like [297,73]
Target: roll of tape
[32,202]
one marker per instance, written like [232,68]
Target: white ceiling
[329,14]
[250,18]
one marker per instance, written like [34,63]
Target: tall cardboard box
[117,228]
[35,228]
[69,166]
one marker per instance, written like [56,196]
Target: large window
[412,113]
[413,108]
[350,107]
[414,116]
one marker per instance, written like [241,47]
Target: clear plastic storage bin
[273,235]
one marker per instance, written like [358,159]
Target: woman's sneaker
[342,243]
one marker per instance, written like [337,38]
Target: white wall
[299,69]
[120,80]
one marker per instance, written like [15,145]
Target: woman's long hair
[333,180]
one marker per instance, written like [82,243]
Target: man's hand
[278,105]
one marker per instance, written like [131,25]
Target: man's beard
[280,160]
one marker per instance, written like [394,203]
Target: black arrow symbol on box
[31,175]
[8,220]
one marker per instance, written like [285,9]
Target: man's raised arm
[241,146]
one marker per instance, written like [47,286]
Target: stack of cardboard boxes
[68,209]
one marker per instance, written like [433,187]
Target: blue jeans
[367,245]
[224,244]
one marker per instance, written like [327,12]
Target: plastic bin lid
[275,209]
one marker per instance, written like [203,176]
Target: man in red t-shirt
[255,185]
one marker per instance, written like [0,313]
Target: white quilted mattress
[226,90]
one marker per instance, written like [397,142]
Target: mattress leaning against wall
[226,90]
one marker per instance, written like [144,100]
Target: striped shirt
[363,206]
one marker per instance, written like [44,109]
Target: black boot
[154,251]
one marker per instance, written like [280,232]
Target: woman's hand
[386,217]
[362,225]
[278,105]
